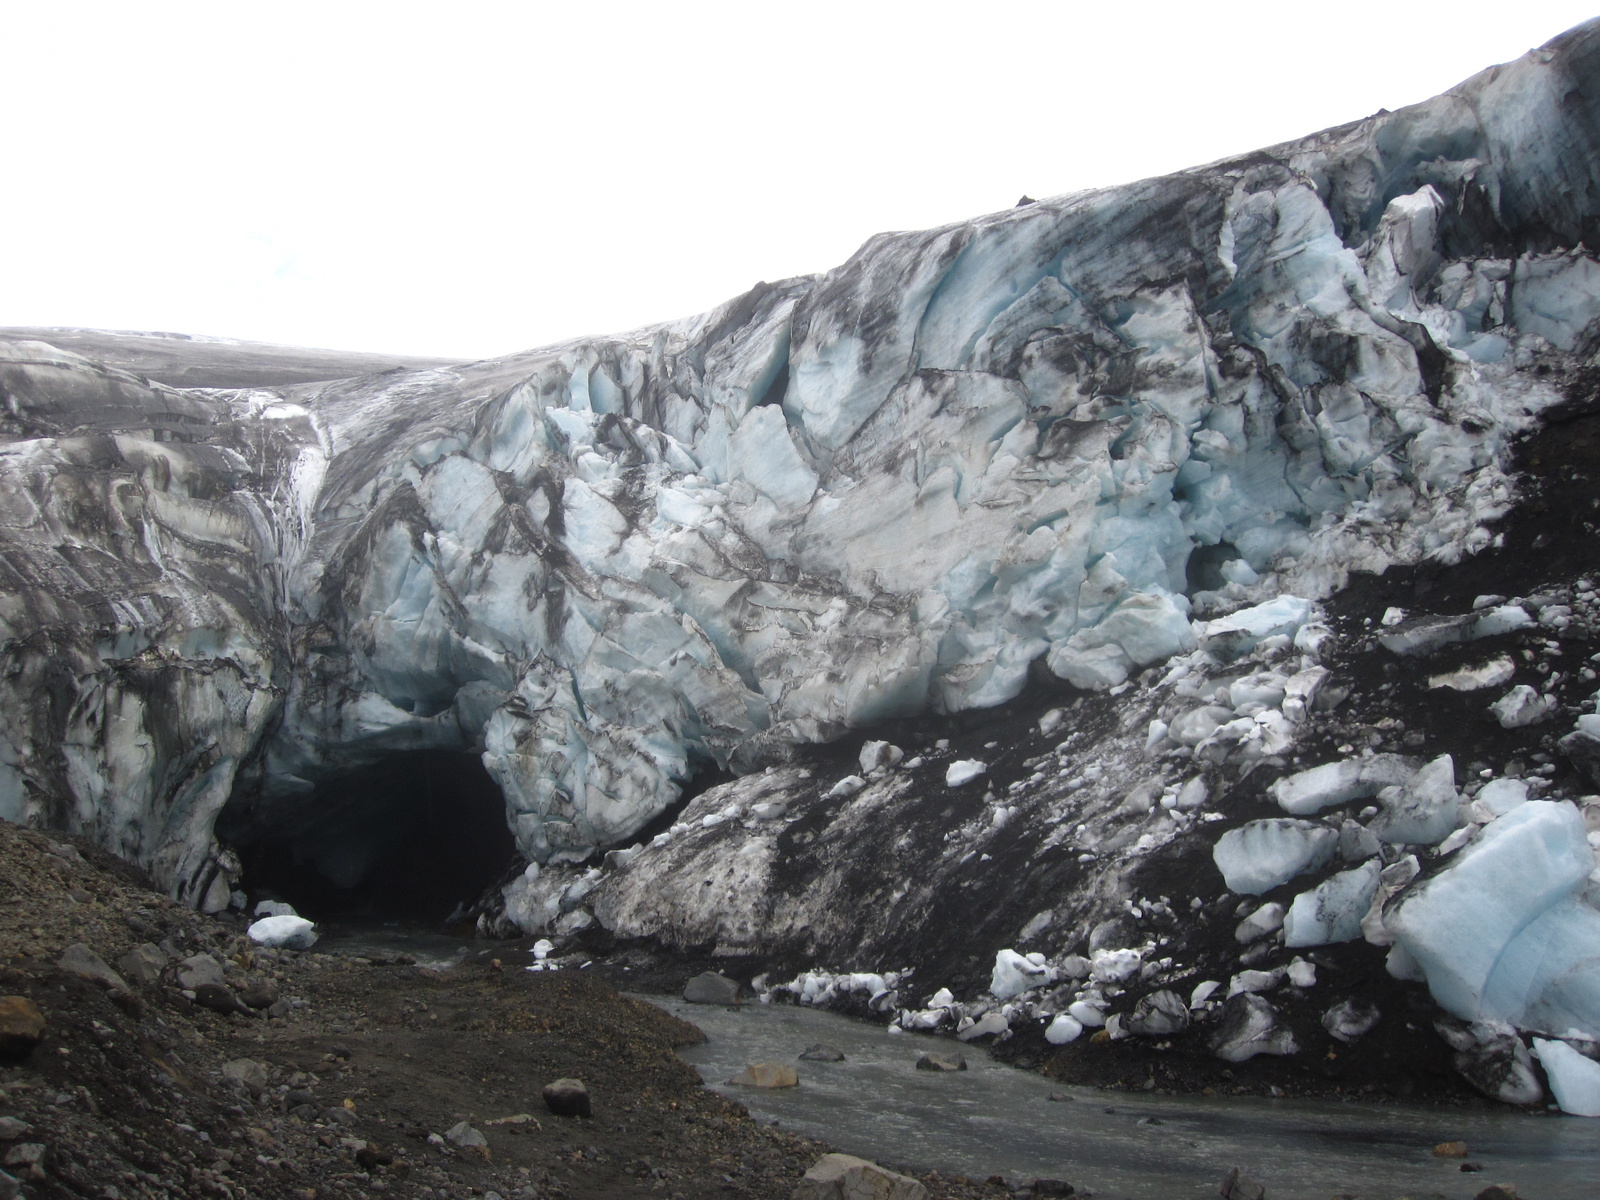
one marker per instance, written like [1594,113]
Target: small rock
[767,1075]
[143,964]
[78,959]
[568,1098]
[10,1188]
[248,1072]
[822,1053]
[1060,1098]
[938,1062]
[199,969]
[1052,1187]
[846,1177]
[1450,1150]
[1471,1168]
[1498,1191]
[28,1160]
[711,988]
[465,1137]
[1236,1186]
[21,1028]
[218,998]
[372,1155]
[261,994]
[11,1128]
[279,1009]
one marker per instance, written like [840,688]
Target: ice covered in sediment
[1332,911]
[1502,934]
[1259,855]
[283,932]
[1351,1019]
[966,454]
[1422,810]
[1330,784]
[1574,1078]
[1494,673]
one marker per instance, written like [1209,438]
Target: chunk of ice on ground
[1332,911]
[1519,707]
[1015,973]
[1313,790]
[1115,966]
[1065,1028]
[1500,933]
[284,932]
[1260,855]
[1500,796]
[1238,633]
[963,770]
[1494,673]
[1574,1079]
[1423,810]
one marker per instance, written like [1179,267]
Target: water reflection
[995,1119]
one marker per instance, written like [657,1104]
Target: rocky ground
[355,1077]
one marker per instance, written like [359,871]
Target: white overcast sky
[476,178]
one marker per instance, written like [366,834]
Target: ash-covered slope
[1043,441]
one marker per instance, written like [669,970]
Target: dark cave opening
[407,838]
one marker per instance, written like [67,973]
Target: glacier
[1124,445]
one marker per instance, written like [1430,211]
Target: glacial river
[994,1119]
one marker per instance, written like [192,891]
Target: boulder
[218,997]
[78,959]
[1238,1186]
[818,1052]
[710,987]
[568,1098]
[939,1062]
[144,963]
[767,1075]
[22,1028]
[263,993]
[846,1177]
[467,1139]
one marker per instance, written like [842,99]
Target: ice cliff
[1070,438]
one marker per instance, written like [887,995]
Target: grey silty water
[995,1119]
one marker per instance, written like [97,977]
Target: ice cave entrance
[408,838]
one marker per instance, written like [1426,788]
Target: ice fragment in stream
[1574,1079]
[1260,855]
[1502,934]
[963,770]
[1332,911]
[285,932]
[1519,707]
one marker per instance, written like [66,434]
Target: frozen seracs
[1066,434]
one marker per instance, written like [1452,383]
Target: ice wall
[835,499]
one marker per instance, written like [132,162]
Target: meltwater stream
[995,1119]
